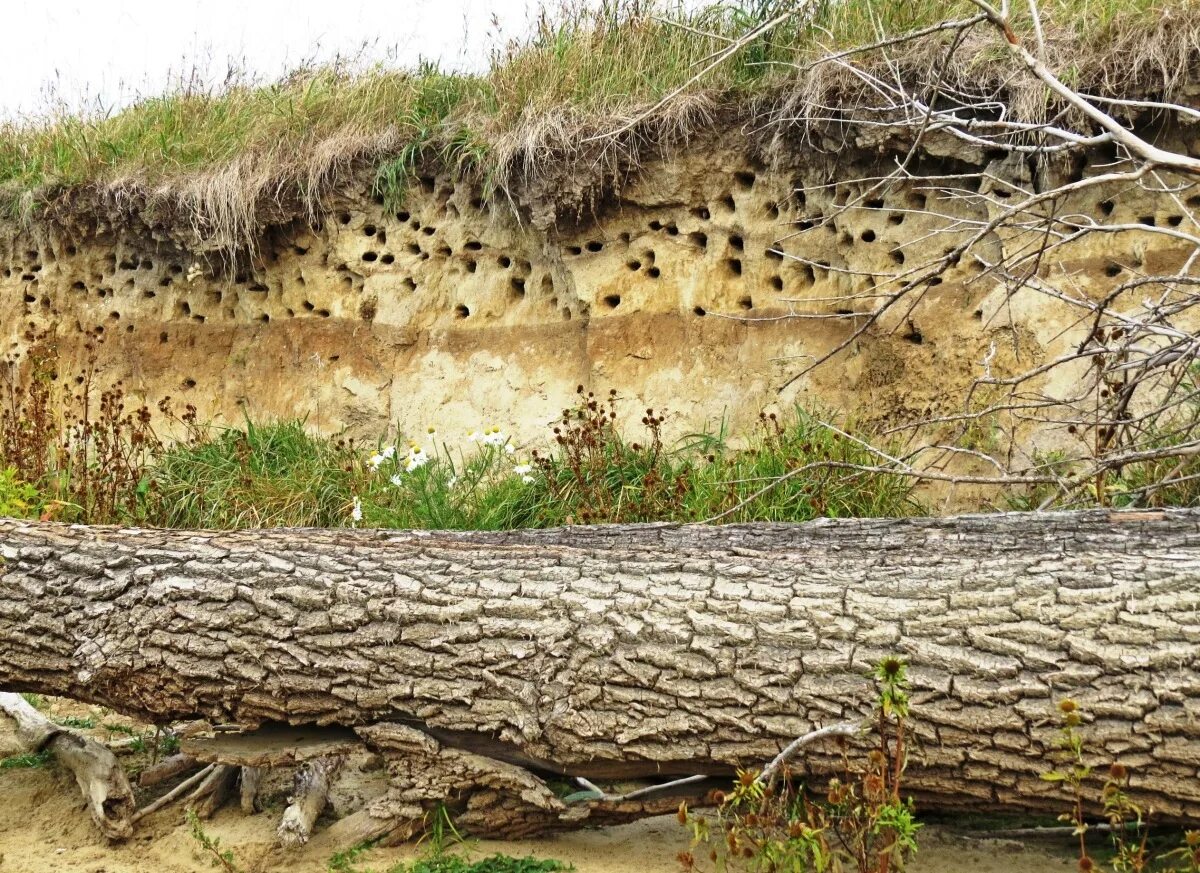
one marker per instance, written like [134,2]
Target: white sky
[115,50]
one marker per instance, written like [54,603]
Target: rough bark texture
[622,651]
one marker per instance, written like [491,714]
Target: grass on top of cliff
[546,102]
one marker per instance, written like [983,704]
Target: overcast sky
[115,50]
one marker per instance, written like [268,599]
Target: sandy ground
[44,829]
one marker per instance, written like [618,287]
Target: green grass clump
[24,762]
[281,475]
[257,476]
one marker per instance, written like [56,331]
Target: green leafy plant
[1127,822]
[211,846]
[862,823]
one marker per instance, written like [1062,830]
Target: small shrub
[861,823]
[1127,822]
[17,499]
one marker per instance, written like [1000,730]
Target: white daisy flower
[395,480]
[523,469]
[389,452]
[356,511]
[526,479]
[374,461]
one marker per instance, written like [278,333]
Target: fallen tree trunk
[616,652]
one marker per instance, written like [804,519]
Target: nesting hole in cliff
[1148,220]
[868,236]
[574,250]
[699,239]
[189,383]
[308,306]
[702,213]
[78,286]
[777,283]
[1113,270]
[1175,220]
[874,203]
[388,259]
[772,210]
[744,180]
[518,287]
[445,251]
[656,225]
[734,266]
[128,265]
[410,284]
[30,298]
[163,336]
[896,218]
[736,242]
[699,310]
[472,265]
[773,254]
[415,225]
[595,246]
[634,265]
[369,230]
[917,199]
[473,245]
[977,315]
[370,256]
[264,318]
[746,303]
[402,216]
[344,218]
[654,272]
[461,311]
[323,313]
[504,261]
[897,256]
[547,285]
[413,249]
[612,301]
[184,308]
[728,204]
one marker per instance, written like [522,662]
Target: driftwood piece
[106,790]
[166,769]
[645,651]
[274,746]
[175,793]
[249,780]
[309,796]
[213,791]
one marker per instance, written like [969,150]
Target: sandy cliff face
[704,284]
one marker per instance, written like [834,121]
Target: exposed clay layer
[676,290]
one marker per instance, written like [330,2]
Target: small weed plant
[1129,849]
[222,859]
[862,823]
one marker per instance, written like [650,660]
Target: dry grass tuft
[214,165]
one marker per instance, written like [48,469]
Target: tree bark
[646,650]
